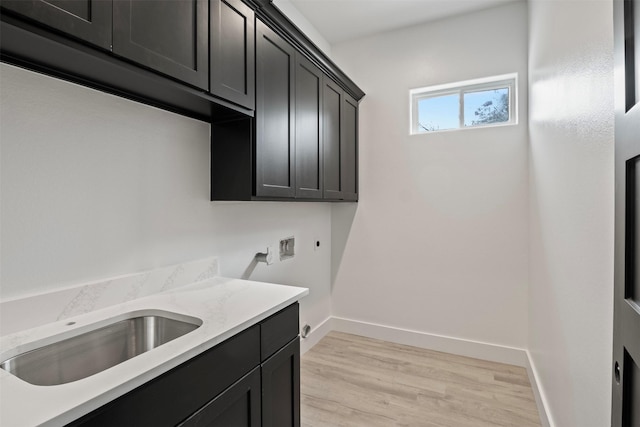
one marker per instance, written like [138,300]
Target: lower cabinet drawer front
[278,330]
[238,406]
[177,394]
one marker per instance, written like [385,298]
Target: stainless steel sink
[87,354]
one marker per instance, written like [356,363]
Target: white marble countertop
[225,307]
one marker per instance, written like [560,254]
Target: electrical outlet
[287,249]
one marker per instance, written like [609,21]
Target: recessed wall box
[287,248]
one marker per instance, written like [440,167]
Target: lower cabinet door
[281,387]
[238,406]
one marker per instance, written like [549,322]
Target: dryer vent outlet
[306,329]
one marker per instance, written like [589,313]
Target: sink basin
[81,356]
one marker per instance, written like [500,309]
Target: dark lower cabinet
[238,406]
[253,378]
[86,20]
[278,330]
[275,142]
[281,387]
[168,36]
[174,396]
[232,59]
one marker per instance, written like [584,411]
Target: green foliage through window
[494,109]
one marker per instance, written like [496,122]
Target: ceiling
[342,20]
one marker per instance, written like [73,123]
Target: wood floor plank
[353,381]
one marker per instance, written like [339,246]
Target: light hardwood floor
[348,380]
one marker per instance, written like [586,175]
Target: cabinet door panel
[308,129]
[233,52]
[331,117]
[275,150]
[88,20]
[349,149]
[281,387]
[238,406]
[167,36]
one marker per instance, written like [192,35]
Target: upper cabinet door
[308,129]
[168,36]
[275,129]
[232,61]
[340,143]
[331,136]
[87,20]
[349,148]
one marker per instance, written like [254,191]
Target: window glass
[482,102]
[439,113]
[486,106]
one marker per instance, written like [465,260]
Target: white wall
[94,186]
[571,162]
[438,242]
[294,15]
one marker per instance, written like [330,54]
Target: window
[473,103]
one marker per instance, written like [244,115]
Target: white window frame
[509,81]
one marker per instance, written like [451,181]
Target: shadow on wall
[342,216]
[266,257]
[252,266]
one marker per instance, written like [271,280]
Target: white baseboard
[316,335]
[462,347]
[541,400]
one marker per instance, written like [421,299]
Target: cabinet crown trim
[272,16]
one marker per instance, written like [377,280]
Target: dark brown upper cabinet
[331,119]
[192,57]
[86,20]
[283,120]
[340,127]
[275,115]
[302,144]
[349,149]
[308,129]
[167,36]
[232,55]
